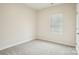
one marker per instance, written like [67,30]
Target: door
[77,29]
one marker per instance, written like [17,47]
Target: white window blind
[57,23]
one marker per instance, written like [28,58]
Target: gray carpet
[38,47]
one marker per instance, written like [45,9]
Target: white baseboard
[46,39]
[17,43]
[20,42]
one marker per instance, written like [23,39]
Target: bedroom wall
[44,31]
[17,24]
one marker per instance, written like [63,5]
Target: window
[57,23]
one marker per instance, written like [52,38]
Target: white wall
[44,31]
[17,24]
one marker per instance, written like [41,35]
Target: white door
[77,29]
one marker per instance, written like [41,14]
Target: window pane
[57,23]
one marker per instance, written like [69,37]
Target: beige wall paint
[69,12]
[17,24]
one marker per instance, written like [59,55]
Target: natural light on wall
[57,23]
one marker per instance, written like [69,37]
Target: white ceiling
[39,6]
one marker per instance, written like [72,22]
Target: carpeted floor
[39,47]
